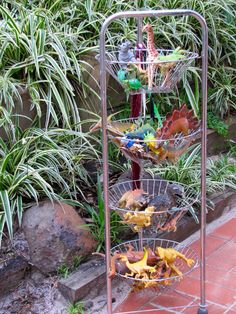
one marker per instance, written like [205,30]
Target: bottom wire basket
[152,203]
[179,262]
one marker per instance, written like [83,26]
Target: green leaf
[7,211]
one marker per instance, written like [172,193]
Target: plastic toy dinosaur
[164,202]
[179,121]
[151,141]
[136,71]
[139,269]
[133,256]
[134,199]
[139,219]
[141,132]
[169,255]
[171,221]
[143,142]
[167,63]
[152,54]
[147,265]
[115,128]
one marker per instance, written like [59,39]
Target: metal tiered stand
[162,81]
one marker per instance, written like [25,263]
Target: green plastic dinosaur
[141,132]
[176,55]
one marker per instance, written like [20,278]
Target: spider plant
[221,172]
[43,57]
[58,34]
[222,92]
[37,164]
[97,225]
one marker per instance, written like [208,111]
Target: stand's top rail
[152,13]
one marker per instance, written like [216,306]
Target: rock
[88,304]
[36,276]
[56,235]
[12,270]
[90,277]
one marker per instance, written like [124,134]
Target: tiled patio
[220,284]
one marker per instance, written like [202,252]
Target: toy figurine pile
[150,267]
[156,69]
[142,210]
[138,141]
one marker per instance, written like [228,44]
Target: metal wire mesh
[166,74]
[153,243]
[173,147]
[179,197]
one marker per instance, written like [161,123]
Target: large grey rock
[56,234]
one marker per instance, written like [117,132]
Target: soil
[39,295]
[32,297]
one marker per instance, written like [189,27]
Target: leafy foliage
[44,56]
[213,122]
[64,270]
[77,308]
[97,225]
[221,172]
[44,44]
[40,164]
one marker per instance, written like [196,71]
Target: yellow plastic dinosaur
[139,269]
[170,255]
[139,219]
[115,128]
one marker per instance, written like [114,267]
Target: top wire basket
[160,75]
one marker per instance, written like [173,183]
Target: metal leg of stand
[202,310]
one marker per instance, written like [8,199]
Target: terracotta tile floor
[184,297]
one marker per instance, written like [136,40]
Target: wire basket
[160,207]
[162,148]
[159,76]
[153,243]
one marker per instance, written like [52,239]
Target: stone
[36,275]
[56,234]
[12,271]
[89,278]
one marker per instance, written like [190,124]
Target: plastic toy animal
[151,141]
[115,128]
[135,256]
[179,121]
[164,202]
[135,70]
[152,54]
[139,219]
[134,199]
[143,142]
[168,62]
[125,53]
[169,255]
[171,221]
[162,272]
[140,268]
[141,132]
[132,256]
